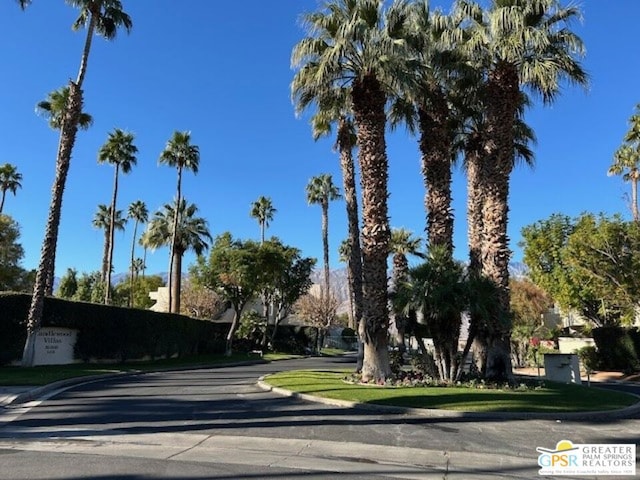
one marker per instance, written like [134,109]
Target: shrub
[617,348]
[589,358]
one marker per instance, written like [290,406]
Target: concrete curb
[435,413]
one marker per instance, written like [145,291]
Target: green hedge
[618,348]
[107,332]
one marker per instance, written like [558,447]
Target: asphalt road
[216,424]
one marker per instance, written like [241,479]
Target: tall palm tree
[103,17]
[179,154]
[54,108]
[321,190]
[626,161]
[143,241]
[357,44]
[515,45]
[263,211]
[402,244]
[120,152]
[139,213]
[191,233]
[10,180]
[334,107]
[103,220]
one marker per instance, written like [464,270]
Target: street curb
[38,392]
[436,413]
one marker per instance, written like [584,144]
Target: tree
[514,45]
[178,154]
[334,106]
[528,303]
[357,45]
[321,190]
[199,301]
[189,233]
[12,275]
[10,180]
[90,288]
[68,284]
[54,109]
[139,213]
[402,244]
[318,311]
[103,220]
[103,17]
[232,270]
[141,288]
[120,152]
[263,211]
[626,161]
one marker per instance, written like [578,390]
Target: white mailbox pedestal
[562,367]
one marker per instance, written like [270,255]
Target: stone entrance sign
[54,346]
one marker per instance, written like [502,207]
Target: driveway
[215,423]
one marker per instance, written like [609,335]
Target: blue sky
[222,70]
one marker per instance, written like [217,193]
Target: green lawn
[553,397]
[42,375]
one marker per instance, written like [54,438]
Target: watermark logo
[570,458]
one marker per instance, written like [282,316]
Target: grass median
[550,397]
[42,375]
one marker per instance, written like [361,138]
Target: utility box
[562,367]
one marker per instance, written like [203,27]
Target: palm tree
[514,45]
[402,244]
[120,152]
[143,241]
[103,17]
[321,190]
[263,211]
[179,154]
[54,108]
[334,107]
[626,161]
[10,180]
[191,233]
[103,220]
[357,45]
[139,213]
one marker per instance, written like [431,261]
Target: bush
[617,348]
[110,333]
[589,358]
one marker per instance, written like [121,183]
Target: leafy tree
[103,17]
[263,211]
[142,286]
[179,154]
[358,45]
[12,276]
[514,45]
[139,213]
[318,311]
[626,160]
[103,220]
[190,233]
[10,180]
[68,284]
[232,270]
[120,152]
[54,109]
[90,288]
[321,190]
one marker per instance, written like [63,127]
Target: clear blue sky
[221,70]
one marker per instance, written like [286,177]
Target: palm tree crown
[10,181]
[54,109]
[626,161]
[263,211]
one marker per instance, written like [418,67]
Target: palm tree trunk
[475,201]
[174,232]
[4,194]
[262,224]
[325,248]
[176,280]
[82,71]
[354,264]
[133,251]
[435,147]
[634,198]
[46,266]
[368,107]
[105,255]
[112,226]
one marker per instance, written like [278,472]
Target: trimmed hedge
[110,333]
[618,348]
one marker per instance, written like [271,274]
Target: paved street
[215,423]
